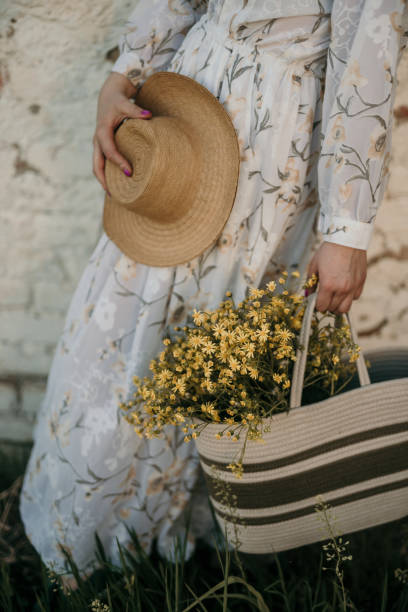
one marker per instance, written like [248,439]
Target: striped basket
[350,449]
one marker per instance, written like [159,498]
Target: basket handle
[301,355]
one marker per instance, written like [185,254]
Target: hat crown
[165,163]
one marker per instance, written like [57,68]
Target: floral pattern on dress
[306,106]
[357,116]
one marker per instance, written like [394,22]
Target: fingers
[133,111]
[104,141]
[345,305]
[99,164]
[360,288]
[104,136]
[332,299]
[337,302]
[324,298]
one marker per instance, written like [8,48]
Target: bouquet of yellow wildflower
[234,365]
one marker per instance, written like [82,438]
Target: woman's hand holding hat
[114,106]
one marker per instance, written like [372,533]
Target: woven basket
[351,449]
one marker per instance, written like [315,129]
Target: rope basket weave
[351,449]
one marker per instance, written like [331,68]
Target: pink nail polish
[126,171]
[145,112]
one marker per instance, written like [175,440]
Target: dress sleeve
[367,41]
[153,33]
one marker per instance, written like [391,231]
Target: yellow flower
[214,317]
[252,314]
[218,329]
[242,339]
[180,386]
[236,468]
[207,407]
[198,317]
[283,335]
[195,341]
[249,349]
[255,293]
[263,333]
[234,364]
[253,372]
[209,347]
[207,370]
[311,281]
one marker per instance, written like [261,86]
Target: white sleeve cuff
[346,231]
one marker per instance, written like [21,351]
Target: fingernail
[127,172]
[306,292]
[145,112]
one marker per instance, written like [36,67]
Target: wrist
[122,83]
[341,247]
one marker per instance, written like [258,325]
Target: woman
[310,86]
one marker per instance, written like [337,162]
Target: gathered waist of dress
[289,40]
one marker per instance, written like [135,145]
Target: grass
[213,579]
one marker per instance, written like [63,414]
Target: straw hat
[185,162]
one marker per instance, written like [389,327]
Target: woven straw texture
[352,449]
[185,162]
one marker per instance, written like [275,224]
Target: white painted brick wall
[53,61]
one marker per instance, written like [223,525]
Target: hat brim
[165,244]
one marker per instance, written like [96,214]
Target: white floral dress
[309,85]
